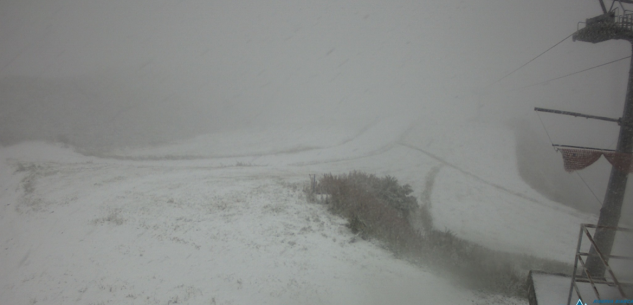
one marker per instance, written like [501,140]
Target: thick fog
[104,74]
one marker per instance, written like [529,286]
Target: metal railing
[585,277]
[604,18]
[625,21]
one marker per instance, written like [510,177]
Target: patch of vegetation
[113,217]
[381,209]
[484,269]
[374,207]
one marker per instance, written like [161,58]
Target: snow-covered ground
[222,219]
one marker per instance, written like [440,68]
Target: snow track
[238,230]
[91,233]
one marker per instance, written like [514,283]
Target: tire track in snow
[380,150]
[428,185]
[467,173]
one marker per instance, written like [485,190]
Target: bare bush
[386,189]
[374,207]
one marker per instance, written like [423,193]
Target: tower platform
[605,27]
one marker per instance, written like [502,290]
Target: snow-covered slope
[478,194]
[236,229]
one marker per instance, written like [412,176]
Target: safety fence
[582,275]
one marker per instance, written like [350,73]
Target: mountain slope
[238,230]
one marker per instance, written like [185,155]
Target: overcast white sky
[220,62]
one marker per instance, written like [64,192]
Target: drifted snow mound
[284,145]
[253,141]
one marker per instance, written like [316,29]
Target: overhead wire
[589,188]
[577,173]
[546,132]
[574,73]
[531,60]
[553,79]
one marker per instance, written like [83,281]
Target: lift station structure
[596,273]
[612,24]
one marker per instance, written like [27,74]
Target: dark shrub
[374,207]
[387,189]
[380,208]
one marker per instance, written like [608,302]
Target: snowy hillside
[155,151]
[237,229]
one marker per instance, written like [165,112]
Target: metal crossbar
[584,230]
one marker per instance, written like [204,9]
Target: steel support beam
[614,197]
